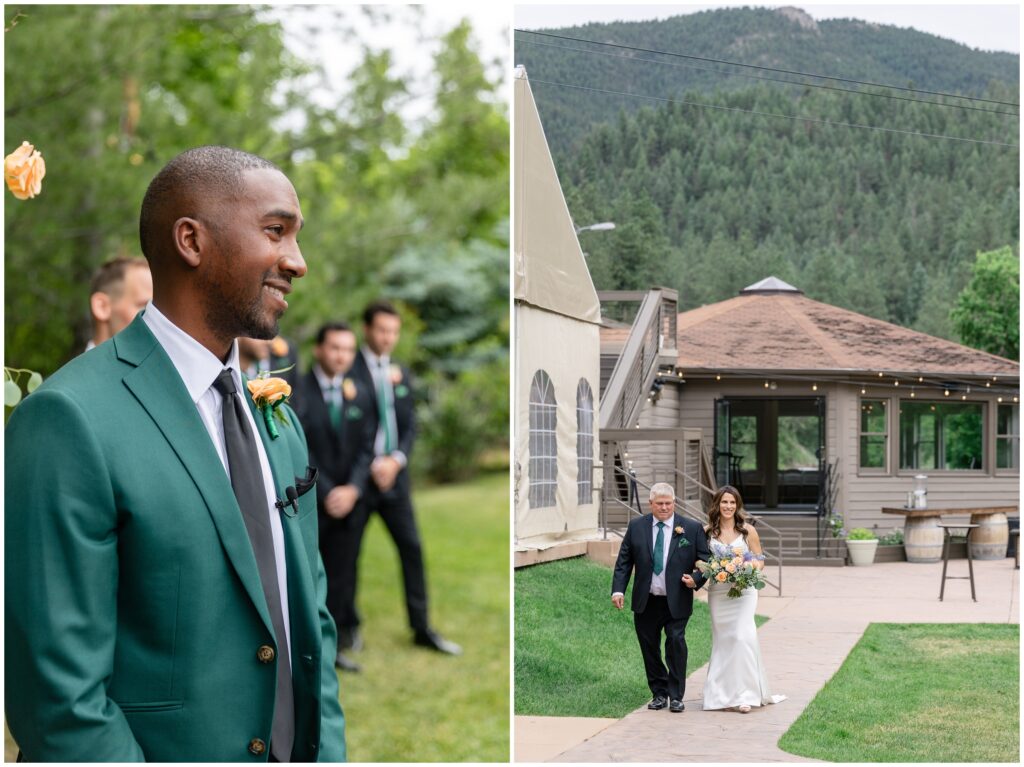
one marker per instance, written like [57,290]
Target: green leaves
[987,314]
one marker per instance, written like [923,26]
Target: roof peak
[768,286]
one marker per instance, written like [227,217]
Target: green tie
[382,401]
[334,408]
[659,550]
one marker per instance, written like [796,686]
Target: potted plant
[861,543]
[890,547]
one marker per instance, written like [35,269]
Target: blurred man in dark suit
[337,416]
[388,492]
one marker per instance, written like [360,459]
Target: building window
[543,442]
[874,434]
[584,443]
[1008,437]
[941,435]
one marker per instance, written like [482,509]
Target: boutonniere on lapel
[395,373]
[682,540]
[279,347]
[348,389]
[268,394]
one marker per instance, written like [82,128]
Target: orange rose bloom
[267,391]
[721,577]
[731,567]
[24,169]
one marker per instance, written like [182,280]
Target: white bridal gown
[736,674]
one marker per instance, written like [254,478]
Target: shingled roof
[777,328]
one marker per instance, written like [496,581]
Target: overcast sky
[991,27]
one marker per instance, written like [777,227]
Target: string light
[946,392]
[814,387]
[999,399]
[766,384]
[896,382]
[920,379]
[863,390]
[718,378]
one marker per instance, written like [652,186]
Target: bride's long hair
[715,512]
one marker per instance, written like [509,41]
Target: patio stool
[1016,549]
[949,535]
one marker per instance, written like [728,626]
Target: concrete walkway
[822,615]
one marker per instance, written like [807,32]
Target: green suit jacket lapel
[159,389]
[301,591]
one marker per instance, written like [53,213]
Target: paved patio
[813,626]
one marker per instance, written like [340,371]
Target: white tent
[557,316]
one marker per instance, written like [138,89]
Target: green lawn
[576,655]
[918,693]
[410,704]
[414,705]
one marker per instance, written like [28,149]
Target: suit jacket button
[257,746]
[265,654]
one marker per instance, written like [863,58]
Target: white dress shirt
[329,387]
[199,368]
[380,369]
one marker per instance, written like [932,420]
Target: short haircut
[331,327]
[216,170]
[662,490]
[109,278]
[378,307]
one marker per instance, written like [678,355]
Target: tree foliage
[987,311]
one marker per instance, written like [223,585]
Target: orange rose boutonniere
[24,169]
[348,389]
[269,394]
[279,347]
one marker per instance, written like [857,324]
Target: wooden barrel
[922,539]
[990,538]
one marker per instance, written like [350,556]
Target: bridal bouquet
[734,566]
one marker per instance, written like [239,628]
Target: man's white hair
[662,490]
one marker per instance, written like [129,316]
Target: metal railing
[653,331]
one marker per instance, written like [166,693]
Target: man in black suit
[388,492]
[662,548]
[337,415]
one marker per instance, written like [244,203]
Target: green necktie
[382,407]
[334,408]
[659,550]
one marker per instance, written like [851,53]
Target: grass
[410,704]
[576,655]
[415,705]
[918,693]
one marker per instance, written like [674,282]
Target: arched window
[543,442]
[584,443]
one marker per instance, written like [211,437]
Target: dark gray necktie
[247,482]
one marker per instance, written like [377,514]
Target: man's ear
[189,236]
[100,306]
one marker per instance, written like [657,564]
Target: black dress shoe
[676,706]
[350,639]
[435,641]
[346,664]
[657,704]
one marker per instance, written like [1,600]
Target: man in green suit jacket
[139,617]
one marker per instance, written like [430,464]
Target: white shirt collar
[325,382]
[197,365]
[372,360]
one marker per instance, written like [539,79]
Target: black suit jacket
[405,413]
[637,554]
[343,459]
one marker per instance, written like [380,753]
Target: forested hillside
[708,199]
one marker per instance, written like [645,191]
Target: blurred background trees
[414,209]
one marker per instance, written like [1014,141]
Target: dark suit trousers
[395,508]
[339,548]
[650,623]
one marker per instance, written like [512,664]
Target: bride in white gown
[736,677]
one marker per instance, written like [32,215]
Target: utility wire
[816,120]
[855,91]
[767,69]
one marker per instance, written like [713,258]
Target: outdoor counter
[922,536]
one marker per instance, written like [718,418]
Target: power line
[768,69]
[770,79]
[815,120]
